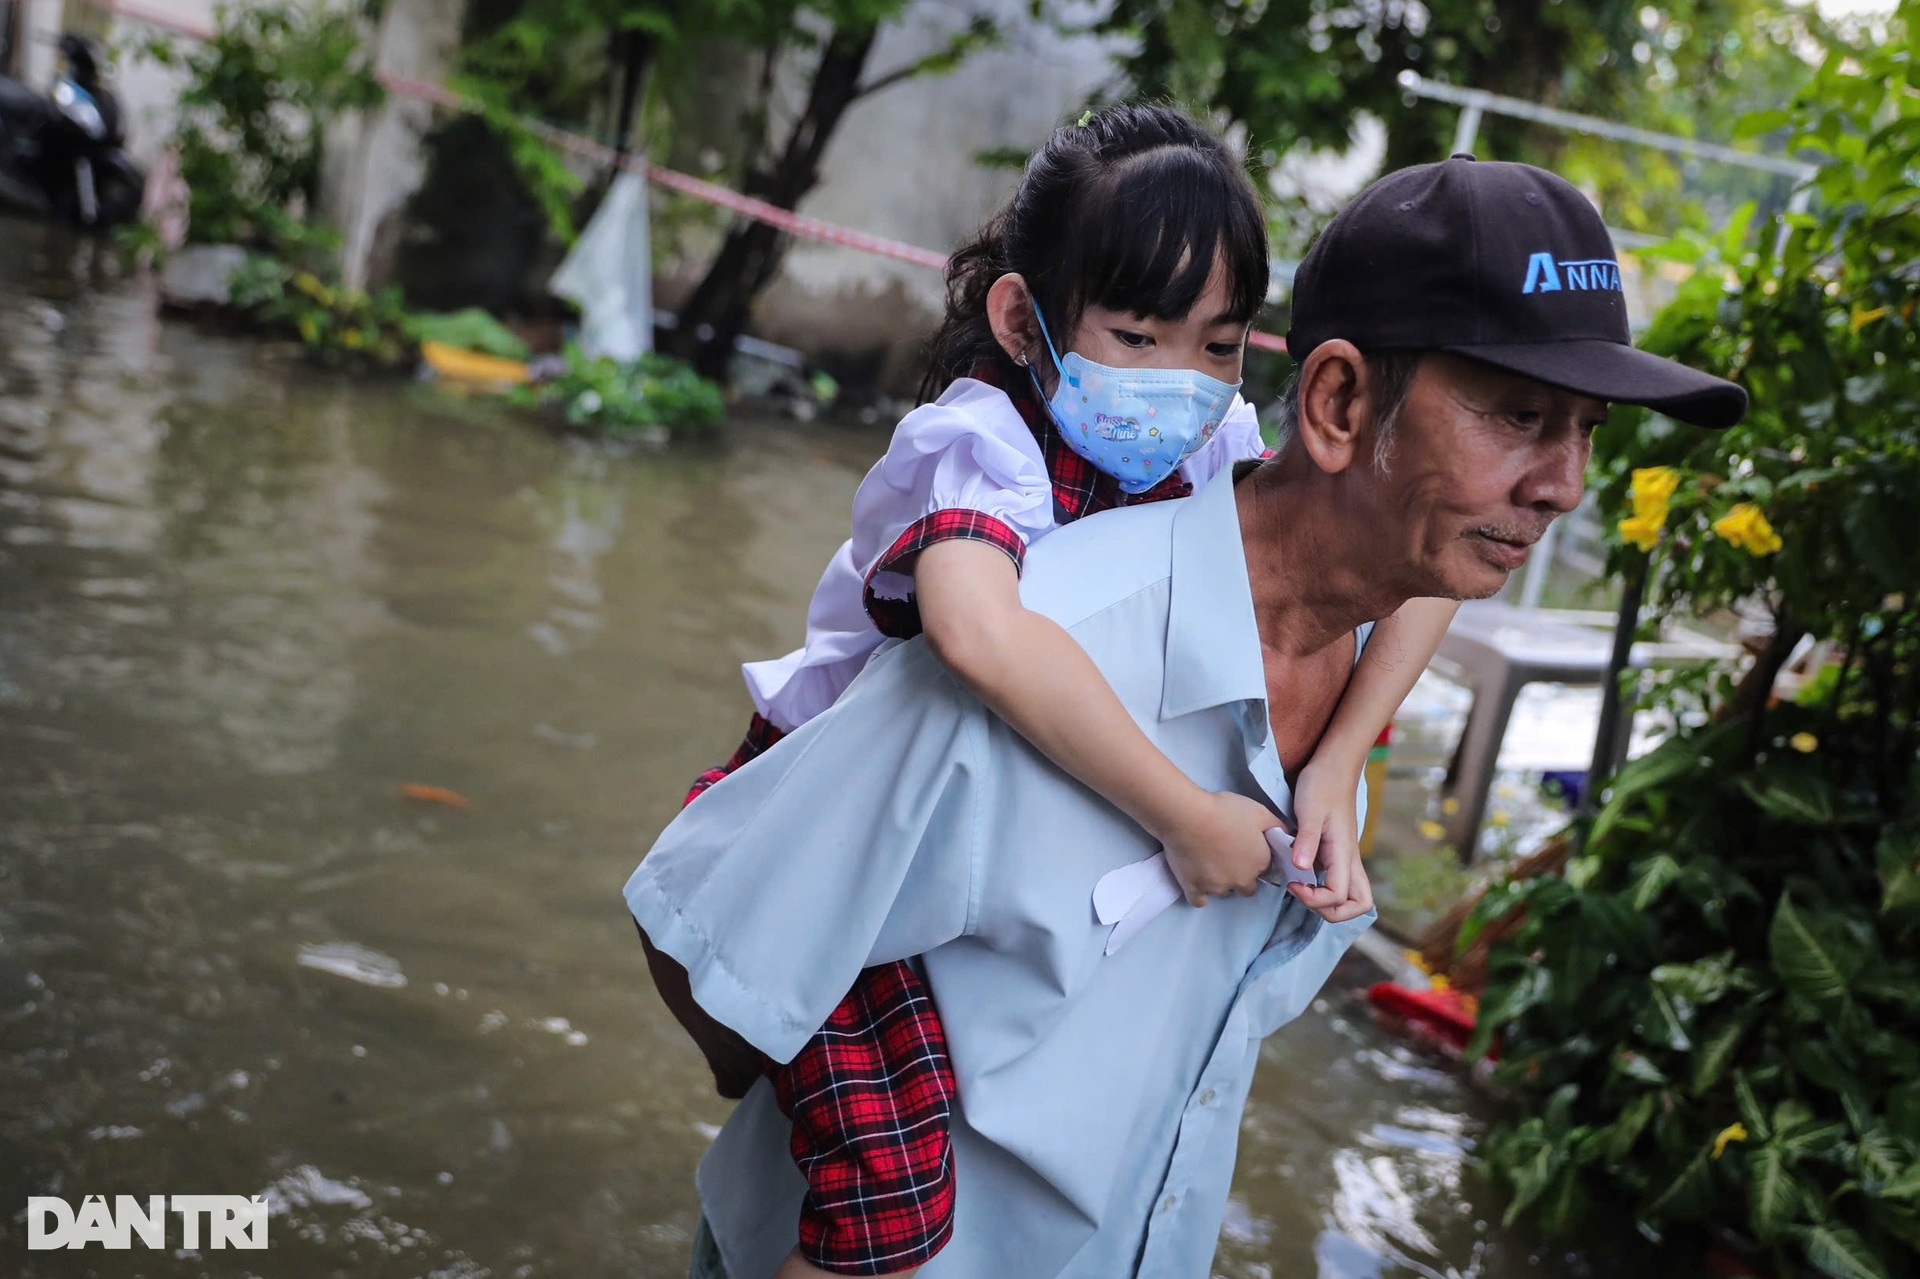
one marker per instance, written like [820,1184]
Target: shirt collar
[1213,642]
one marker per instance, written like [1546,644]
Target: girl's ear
[1333,404]
[1010,316]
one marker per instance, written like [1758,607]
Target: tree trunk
[636,58]
[717,312]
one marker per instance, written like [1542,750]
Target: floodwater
[242,605]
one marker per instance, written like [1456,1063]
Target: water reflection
[243,605]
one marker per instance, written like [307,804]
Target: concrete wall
[375,162]
[902,165]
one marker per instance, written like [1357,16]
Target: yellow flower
[1728,1135]
[1652,488]
[1450,806]
[309,331]
[1746,527]
[1639,532]
[1861,319]
[1651,492]
[353,339]
[1805,743]
[1440,983]
[1500,817]
[309,283]
[1433,830]
[1418,960]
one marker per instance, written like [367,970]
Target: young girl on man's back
[1090,358]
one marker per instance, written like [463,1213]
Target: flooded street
[242,605]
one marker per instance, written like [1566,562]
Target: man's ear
[1010,316]
[1334,404]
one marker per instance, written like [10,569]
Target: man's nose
[1558,480]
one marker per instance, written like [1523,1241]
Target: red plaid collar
[1079,487]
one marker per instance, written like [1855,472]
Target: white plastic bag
[609,275]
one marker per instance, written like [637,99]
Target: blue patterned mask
[1136,425]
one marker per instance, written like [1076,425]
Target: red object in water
[1447,1013]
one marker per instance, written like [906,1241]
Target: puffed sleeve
[852,842]
[965,467]
[1237,440]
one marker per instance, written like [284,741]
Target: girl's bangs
[1149,233]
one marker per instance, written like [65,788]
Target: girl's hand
[1329,840]
[1219,846]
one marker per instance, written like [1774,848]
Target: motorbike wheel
[118,190]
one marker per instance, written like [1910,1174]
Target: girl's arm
[1323,797]
[1033,675]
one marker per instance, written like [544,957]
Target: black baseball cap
[1503,263]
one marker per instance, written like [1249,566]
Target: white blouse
[968,450]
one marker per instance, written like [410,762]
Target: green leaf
[1815,965]
[1897,986]
[1838,1251]
[1750,1112]
[1774,1197]
[1881,1161]
[1564,1204]
[1801,797]
[1689,1197]
[1504,1003]
[1898,858]
[1626,1130]
[1675,758]
[1636,1067]
[1530,1181]
[1813,1140]
[1755,123]
[1904,1188]
[1654,877]
[1661,1023]
[1701,982]
[1872,534]
[1815,1061]
[1716,1053]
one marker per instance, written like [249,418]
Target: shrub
[335,325]
[1716,1013]
[253,118]
[654,395]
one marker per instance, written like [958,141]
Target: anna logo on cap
[1544,275]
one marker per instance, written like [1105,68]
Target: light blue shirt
[1099,1095]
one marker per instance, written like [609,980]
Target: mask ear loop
[1047,337]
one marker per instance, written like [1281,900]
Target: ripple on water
[354,962]
[1374,1222]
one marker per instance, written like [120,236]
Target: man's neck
[1313,580]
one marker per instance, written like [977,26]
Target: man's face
[1482,462]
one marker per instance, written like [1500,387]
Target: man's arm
[850,843]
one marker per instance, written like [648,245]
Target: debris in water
[434,795]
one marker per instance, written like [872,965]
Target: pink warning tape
[786,220]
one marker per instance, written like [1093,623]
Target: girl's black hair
[1128,211]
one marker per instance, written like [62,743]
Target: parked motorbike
[64,155]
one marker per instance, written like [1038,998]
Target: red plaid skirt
[871,1100]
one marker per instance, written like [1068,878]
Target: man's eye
[1528,418]
[1130,339]
[1224,350]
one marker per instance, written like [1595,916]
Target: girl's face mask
[1136,425]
